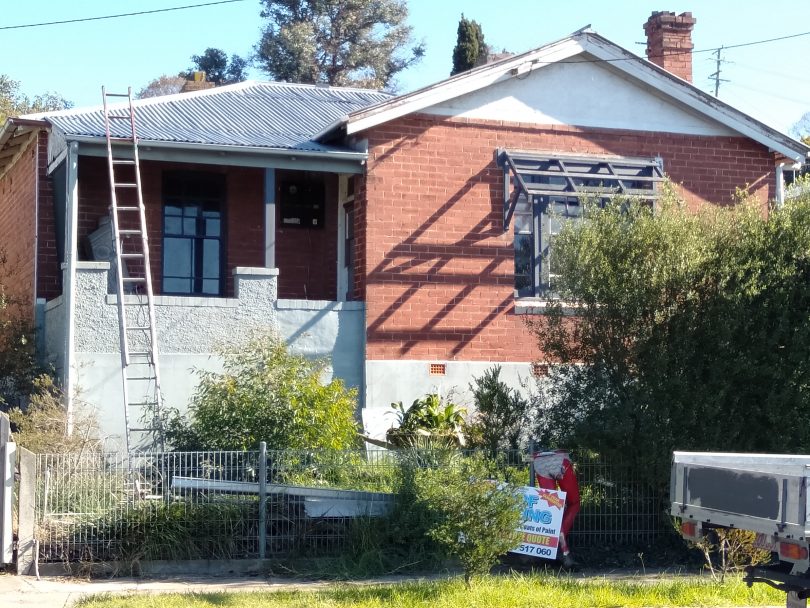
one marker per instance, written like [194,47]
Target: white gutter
[69,278]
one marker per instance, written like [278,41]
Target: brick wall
[436,268]
[307,257]
[18,231]
[244,210]
[49,272]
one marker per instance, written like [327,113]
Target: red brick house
[420,241]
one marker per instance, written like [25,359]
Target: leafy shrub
[727,550]
[472,518]
[501,413]
[428,417]
[41,426]
[266,394]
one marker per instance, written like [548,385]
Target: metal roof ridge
[228,88]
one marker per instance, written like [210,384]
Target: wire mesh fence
[235,505]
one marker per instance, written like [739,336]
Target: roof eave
[190,146]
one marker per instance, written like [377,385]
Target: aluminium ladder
[143,401]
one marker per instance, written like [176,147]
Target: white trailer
[764,493]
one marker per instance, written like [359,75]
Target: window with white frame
[542,192]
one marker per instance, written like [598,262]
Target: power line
[79,20]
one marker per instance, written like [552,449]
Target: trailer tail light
[689,529]
[792,551]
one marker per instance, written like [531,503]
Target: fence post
[262,499]
[26,510]
[7,461]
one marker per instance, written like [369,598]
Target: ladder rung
[133,231]
[128,140]
[139,353]
[123,161]
[142,403]
[133,279]
[146,430]
[116,117]
[116,94]
[138,328]
[120,208]
[128,256]
[125,185]
[140,378]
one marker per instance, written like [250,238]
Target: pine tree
[361,43]
[471,50]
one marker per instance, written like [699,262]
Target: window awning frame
[618,174]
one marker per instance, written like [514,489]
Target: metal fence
[232,505]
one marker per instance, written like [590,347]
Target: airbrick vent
[438,369]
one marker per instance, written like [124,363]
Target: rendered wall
[191,330]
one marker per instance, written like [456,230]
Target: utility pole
[716,75]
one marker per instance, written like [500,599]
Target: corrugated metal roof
[252,114]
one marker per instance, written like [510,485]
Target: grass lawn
[493,592]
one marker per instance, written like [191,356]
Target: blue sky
[768,81]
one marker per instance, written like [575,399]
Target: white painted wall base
[391,381]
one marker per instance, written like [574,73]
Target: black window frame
[205,191]
[536,185]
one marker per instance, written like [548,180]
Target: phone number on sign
[534,550]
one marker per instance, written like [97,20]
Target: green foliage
[501,413]
[266,393]
[473,519]
[691,332]
[428,417]
[18,363]
[217,68]
[41,426]
[14,102]
[493,592]
[470,50]
[727,550]
[363,43]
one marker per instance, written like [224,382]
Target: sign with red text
[542,518]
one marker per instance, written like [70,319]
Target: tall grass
[490,592]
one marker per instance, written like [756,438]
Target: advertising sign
[542,518]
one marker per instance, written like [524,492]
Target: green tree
[362,43]
[691,332]
[266,393]
[13,102]
[218,69]
[470,50]
[18,362]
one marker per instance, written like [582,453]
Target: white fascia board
[461,85]
[688,95]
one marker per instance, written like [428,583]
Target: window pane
[212,227]
[177,285]
[210,264]
[173,225]
[189,226]
[210,287]
[177,257]
[523,262]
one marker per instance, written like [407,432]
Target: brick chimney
[669,42]
[197,83]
